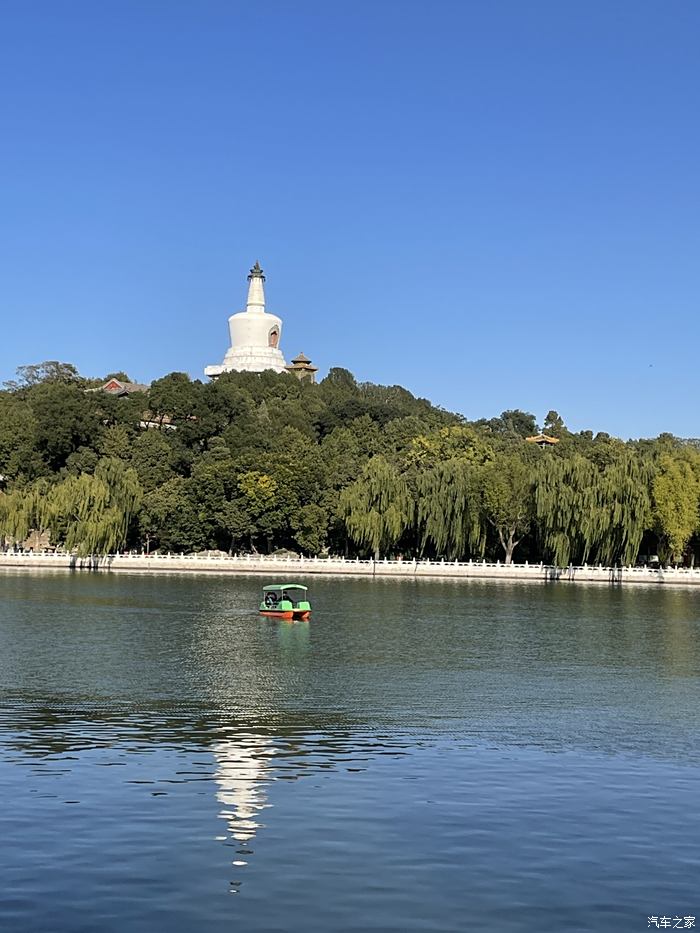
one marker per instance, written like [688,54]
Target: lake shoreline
[384,569]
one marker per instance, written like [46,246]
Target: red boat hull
[287,614]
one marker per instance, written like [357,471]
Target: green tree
[619,510]
[208,489]
[170,517]
[310,527]
[25,509]
[48,371]
[512,425]
[66,418]
[260,499]
[676,497]
[177,397]
[562,506]
[82,460]
[235,521]
[554,424]
[507,489]
[377,508]
[116,441]
[449,509]
[96,510]
[153,458]
[585,513]
[519,423]
[456,442]
[19,455]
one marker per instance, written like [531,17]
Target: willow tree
[619,511]
[585,513]
[377,508]
[25,510]
[95,511]
[676,493]
[449,513]
[562,506]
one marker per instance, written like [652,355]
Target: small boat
[285,601]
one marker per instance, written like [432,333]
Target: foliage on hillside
[262,461]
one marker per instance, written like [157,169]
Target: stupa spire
[256,292]
[256,272]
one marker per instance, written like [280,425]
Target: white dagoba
[255,335]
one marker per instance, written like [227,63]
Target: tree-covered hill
[264,461]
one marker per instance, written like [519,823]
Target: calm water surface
[420,756]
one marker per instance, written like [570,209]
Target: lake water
[429,756]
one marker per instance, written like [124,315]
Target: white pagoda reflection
[243,767]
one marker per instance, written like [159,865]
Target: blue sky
[495,204]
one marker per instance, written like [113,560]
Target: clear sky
[495,204]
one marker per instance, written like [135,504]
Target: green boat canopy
[284,586]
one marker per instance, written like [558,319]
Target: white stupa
[255,335]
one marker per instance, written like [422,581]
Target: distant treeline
[260,462]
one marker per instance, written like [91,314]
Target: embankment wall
[276,568]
